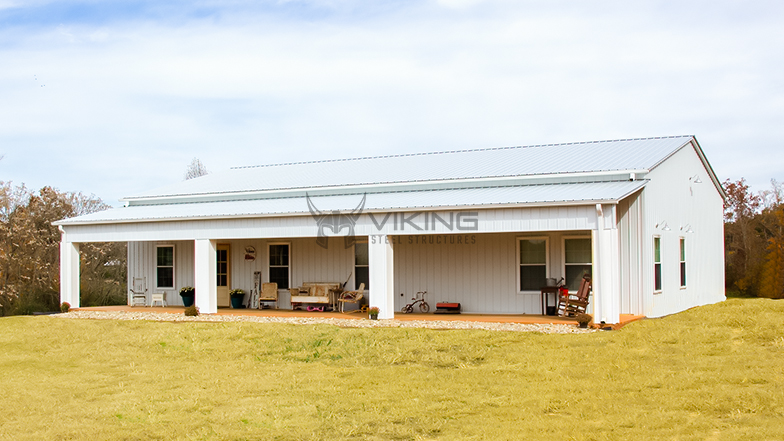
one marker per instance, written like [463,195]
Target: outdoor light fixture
[687,229]
[663,225]
[696,179]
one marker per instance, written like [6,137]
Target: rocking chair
[351,297]
[139,291]
[572,304]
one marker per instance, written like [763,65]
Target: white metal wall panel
[629,225]
[481,275]
[673,198]
[142,260]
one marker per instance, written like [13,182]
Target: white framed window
[361,265]
[578,260]
[533,257]
[657,266]
[280,263]
[164,266]
[683,262]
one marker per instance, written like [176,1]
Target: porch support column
[69,273]
[381,263]
[205,276]
[607,272]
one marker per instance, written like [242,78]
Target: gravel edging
[343,323]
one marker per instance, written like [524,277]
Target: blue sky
[115,98]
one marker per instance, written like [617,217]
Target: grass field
[716,372]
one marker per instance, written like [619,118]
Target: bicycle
[418,299]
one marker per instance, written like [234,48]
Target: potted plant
[188,294]
[237,296]
[373,312]
[583,319]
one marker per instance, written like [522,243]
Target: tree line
[30,252]
[754,240]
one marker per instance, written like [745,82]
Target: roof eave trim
[613,201]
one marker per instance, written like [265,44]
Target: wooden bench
[322,293]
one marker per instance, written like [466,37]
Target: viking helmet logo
[335,221]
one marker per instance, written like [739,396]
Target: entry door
[224,274]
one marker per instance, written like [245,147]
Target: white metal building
[480,227]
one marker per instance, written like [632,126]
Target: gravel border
[343,323]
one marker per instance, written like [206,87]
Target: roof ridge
[443,152]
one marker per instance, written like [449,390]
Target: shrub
[192,311]
[583,319]
[65,307]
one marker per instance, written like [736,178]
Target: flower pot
[236,302]
[374,317]
[187,299]
[584,325]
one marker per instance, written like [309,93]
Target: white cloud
[127,104]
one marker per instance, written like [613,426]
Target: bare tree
[195,169]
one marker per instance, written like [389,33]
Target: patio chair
[572,304]
[269,293]
[158,297]
[351,297]
[139,291]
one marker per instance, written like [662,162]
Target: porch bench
[314,292]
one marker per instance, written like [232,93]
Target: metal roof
[571,158]
[574,193]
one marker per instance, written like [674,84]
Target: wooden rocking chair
[351,297]
[572,304]
[269,293]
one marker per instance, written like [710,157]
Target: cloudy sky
[116,97]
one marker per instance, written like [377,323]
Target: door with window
[223,262]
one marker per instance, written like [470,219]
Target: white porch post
[381,263]
[607,272]
[205,276]
[69,273]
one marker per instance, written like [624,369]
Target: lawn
[715,372]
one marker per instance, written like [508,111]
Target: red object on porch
[447,308]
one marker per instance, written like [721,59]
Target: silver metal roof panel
[575,193]
[571,158]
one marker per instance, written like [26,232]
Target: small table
[549,290]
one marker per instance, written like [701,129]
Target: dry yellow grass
[715,372]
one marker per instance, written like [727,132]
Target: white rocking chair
[139,291]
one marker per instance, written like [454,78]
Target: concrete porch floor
[491,318]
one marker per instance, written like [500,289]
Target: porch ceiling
[550,194]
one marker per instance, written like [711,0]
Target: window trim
[518,264]
[173,265]
[269,265]
[661,274]
[563,255]
[354,262]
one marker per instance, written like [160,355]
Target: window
[361,265]
[657,273]
[222,266]
[279,265]
[533,263]
[164,262]
[683,262]
[578,261]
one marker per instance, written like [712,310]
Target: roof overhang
[468,198]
